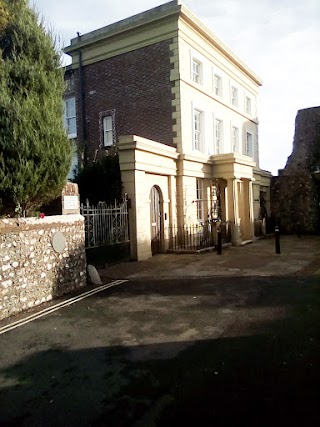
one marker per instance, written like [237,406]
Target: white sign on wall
[71,203]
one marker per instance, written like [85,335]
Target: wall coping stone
[7,225]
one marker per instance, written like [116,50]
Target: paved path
[299,256]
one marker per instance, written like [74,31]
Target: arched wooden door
[156,220]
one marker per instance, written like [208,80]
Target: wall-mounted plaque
[70,203]
[58,242]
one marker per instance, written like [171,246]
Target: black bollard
[219,242]
[298,229]
[277,236]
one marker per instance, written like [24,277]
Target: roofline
[192,20]
[171,8]
[127,24]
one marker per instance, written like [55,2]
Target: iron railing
[195,237]
[264,226]
[225,227]
[258,228]
[105,224]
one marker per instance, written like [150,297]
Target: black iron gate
[155,216]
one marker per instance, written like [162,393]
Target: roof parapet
[174,7]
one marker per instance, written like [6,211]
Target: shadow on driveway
[260,369]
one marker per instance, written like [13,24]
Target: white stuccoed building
[181,110]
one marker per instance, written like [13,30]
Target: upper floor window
[235,139]
[217,85]
[198,130]
[196,71]
[256,151]
[249,144]
[234,96]
[107,128]
[69,82]
[107,131]
[70,121]
[248,105]
[218,124]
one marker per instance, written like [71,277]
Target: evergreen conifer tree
[35,154]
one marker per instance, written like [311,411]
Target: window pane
[235,139]
[197,130]
[107,131]
[108,138]
[72,126]
[107,123]
[218,135]
[217,85]
[248,105]
[249,145]
[71,108]
[199,199]
[70,122]
[196,71]
[234,96]
[74,163]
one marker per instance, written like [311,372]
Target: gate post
[277,236]
[219,241]
[70,199]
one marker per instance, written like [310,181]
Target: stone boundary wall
[306,143]
[39,260]
[295,201]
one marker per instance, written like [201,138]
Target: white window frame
[256,150]
[198,130]
[199,199]
[74,161]
[234,95]
[235,134]
[107,133]
[196,71]
[107,123]
[217,85]
[70,116]
[218,135]
[196,67]
[249,144]
[248,105]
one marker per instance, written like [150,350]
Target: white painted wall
[201,96]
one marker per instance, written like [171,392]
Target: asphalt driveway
[188,351]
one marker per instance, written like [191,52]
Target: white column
[139,214]
[251,209]
[142,209]
[233,211]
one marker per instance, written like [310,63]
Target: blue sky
[278,39]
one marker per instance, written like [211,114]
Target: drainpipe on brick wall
[82,106]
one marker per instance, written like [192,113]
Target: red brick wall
[137,86]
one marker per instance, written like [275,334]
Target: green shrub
[100,181]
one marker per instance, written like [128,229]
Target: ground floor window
[199,200]
[198,130]
[74,162]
